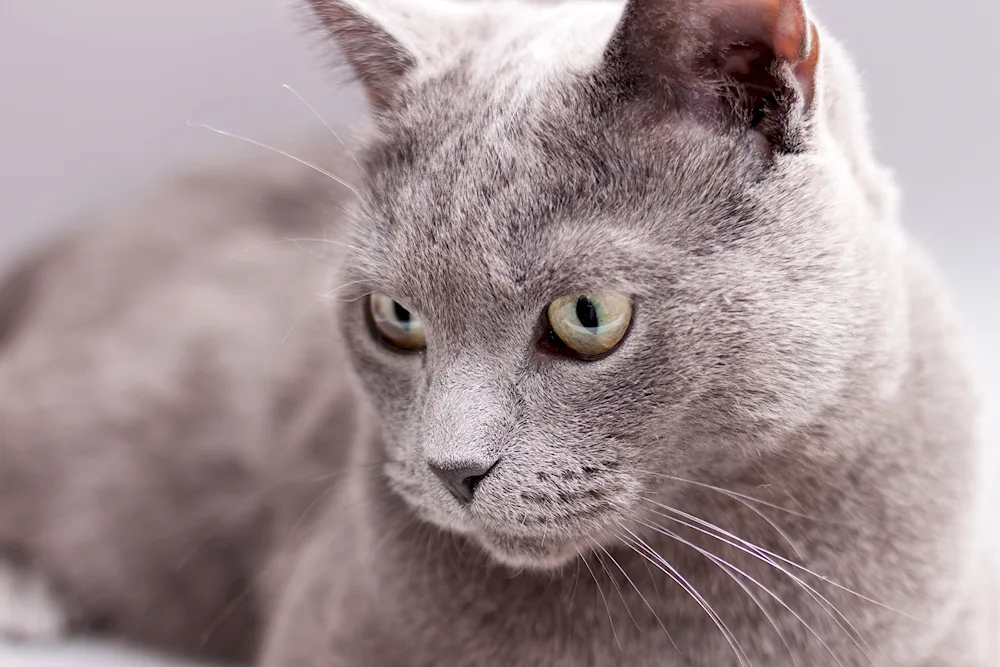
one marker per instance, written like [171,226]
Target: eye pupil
[586,312]
[402,314]
[589,325]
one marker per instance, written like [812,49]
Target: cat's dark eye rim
[383,340]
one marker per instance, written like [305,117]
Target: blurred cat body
[777,466]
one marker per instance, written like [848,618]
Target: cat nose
[461,479]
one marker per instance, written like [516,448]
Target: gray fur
[190,473]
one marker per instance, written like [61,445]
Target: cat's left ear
[753,60]
[382,40]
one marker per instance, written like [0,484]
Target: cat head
[596,248]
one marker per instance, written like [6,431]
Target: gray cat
[631,364]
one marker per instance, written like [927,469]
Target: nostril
[462,479]
[472,482]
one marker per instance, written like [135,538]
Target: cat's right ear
[752,62]
[377,39]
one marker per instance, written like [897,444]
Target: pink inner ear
[781,24]
[740,60]
[761,30]
[790,30]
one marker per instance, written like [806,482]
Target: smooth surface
[95,99]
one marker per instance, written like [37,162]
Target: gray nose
[461,479]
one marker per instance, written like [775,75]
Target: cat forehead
[519,45]
[462,154]
[504,233]
[538,204]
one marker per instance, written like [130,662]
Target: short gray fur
[200,457]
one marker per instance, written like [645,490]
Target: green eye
[395,326]
[591,324]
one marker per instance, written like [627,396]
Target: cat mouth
[549,547]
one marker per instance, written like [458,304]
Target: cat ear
[754,60]
[377,39]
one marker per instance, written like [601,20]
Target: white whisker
[221,618]
[753,550]
[792,563]
[778,529]
[613,582]
[766,555]
[300,317]
[639,592]
[603,597]
[316,113]
[257,495]
[259,144]
[351,300]
[663,565]
[767,614]
[326,295]
[735,495]
[723,564]
[576,582]
[652,579]
[321,297]
[291,240]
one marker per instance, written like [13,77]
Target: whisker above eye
[300,317]
[351,300]
[327,295]
[321,297]
[311,108]
[259,144]
[291,240]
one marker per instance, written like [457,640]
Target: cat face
[562,292]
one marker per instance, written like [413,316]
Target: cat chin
[517,552]
[522,553]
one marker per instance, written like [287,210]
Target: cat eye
[590,325]
[394,325]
